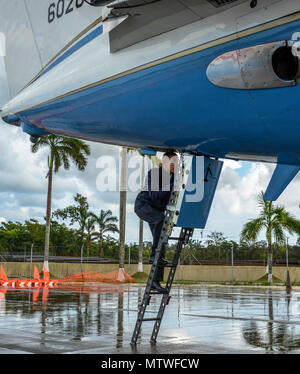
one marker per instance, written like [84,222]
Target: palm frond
[64,151]
[278,232]
[42,142]
[252,229]
[290,223]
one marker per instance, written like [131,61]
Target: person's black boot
[157,287]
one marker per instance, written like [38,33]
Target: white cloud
[231,164]
[239,195]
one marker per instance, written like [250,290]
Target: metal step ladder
[172,211]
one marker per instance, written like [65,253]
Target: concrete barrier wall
[205,273]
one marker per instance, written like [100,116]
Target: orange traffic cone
[35,296]
[45,295]
[3,275]
[36,274]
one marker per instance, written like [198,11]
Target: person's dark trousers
[155,219]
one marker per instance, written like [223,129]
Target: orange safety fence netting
[116,276]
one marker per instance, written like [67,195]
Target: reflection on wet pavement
[101,318]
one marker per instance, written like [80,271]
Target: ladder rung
[151,319]
[158,293]
[174,238]
[159,265]
[163,265]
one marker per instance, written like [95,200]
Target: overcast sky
[23,185]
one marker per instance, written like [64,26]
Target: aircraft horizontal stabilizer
[282,176]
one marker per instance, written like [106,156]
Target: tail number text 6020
[61,8]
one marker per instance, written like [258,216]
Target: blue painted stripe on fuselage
[173,105]
[87,39]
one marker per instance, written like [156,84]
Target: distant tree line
[17,237]
[216,248]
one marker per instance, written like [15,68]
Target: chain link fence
[192,254]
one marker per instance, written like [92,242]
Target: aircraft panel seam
[223,40]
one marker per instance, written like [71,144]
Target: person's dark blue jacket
[157,189]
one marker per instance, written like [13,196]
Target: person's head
[170,161]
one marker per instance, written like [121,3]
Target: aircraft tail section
[22,60]
[34,33]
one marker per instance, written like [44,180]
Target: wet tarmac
[101,319]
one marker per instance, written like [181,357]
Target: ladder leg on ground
[183,239]
[153,271]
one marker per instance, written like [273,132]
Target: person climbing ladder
[150,206]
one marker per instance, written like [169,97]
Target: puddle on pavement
[103,316]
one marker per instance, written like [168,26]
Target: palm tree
[106,223]
[275,220]
[62,150]
[88,235]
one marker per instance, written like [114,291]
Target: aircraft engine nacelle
[271,65]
